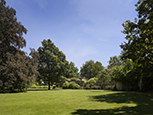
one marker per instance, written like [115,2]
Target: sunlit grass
[74,102]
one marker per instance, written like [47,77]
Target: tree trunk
[48,85]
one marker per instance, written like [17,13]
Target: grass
[76,102]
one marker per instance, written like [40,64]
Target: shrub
[87,86]
[44,86]
[54,86]
[33,86]
[95,87]
[65,85]
[74,85]
[92,81]
[109,87]
[71,85]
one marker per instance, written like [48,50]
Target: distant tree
[72,71]
[139,36]
[114,61]
[103,77]
[51,62]
[16,68]
[90,69]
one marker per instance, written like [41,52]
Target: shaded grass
[75,102]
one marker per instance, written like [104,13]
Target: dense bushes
[95,87]
[71,85]
[87,86]
[65,85]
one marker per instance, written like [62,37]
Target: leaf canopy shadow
[143,101]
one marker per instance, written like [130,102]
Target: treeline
[133,68]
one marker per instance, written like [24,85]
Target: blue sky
[82,29]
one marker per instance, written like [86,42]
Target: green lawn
[76,102]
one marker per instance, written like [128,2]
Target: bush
[33,86]
[44,86]
[87,86]
[65,85]
[92,81]
[54,86]
[95,87]
[109,87]
[71,85]
[74,85]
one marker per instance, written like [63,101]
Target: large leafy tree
[124,73]
[139,35]
[51,62]
[16,68]
[114,61]
[71,71]
[91,69]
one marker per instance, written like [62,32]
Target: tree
[72,71]
[114,61]
[139,35]
[51,62]
[90,69]
[123,73]
[16,68]
[103,77]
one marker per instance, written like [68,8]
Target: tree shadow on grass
[143,101]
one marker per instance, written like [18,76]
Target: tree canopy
[139,35]
[16,68]
[91,69]
[71,71]
[51,62]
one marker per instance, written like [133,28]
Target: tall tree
[16,68]
[139,34]
[72,71]
[114,61]
[51,62]
[90,69]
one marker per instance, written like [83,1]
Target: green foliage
[92,81]
[65,85]
[139,46]
[124,73]
[95,87]
[62,79]
[73,85]
[71,71]
[109,87]
[54,86]
[17,69]
[114,61]
[90,69]
[51,63]
[87,86]
[103,76]
[73,79]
